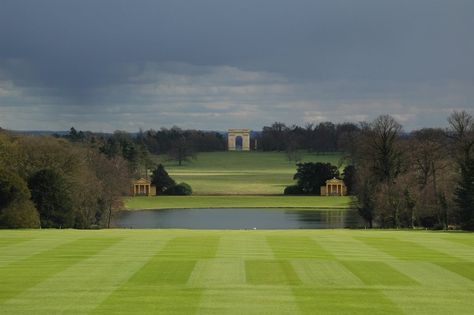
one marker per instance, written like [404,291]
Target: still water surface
[237,219]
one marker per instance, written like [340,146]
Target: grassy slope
[229,173]
[236,272]
[175,202]
[223,179]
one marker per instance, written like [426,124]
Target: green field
[180,202]
[237,173]
[236,272]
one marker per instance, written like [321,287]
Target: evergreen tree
[161,179]
[465,196]
[349,178]
[51,197]
[311,176]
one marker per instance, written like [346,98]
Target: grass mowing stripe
[296,247]
[100,284]
[249,300]
[157,287]
[157,272]
[151,300]
[29,248]
[19,276]
[11,241]
[344,247]
[191,247]
[218,272]
[325,273]
[465,241]
[431,275]
[465,269]
[460,252]
[406,250]
[378,273]
[344,301]
[248,245]
[83,286]
[432,302]
[270,272]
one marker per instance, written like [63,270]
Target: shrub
[12,188]
[293,190]
[182,189]
[20,214]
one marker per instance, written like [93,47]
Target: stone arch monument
[238,139]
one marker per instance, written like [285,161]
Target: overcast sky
[103,65]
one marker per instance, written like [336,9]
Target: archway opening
[238,143]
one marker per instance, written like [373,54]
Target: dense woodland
[424,178]
[50,182]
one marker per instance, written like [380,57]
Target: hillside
[240,173]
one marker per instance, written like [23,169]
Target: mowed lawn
[236,272]
[181,202]
[237,173]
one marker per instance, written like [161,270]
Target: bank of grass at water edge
[183,202]
[236,272]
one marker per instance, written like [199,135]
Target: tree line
[424,178]
[322,137]
[182,145]
[51,182]
[178,144]
[421,179]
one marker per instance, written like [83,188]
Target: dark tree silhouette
[181,151]
[50,195]
[311,176]
[161,179]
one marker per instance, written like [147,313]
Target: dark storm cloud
[174,57]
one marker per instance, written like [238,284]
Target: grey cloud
[212,62]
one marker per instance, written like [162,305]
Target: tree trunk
[110,216]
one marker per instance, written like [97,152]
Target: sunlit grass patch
[270,272]
[181,202]
[344,301]
[406,250]
[296,247]
[465,269]
[241,172]
[190,247]
[378,273]
[231,272]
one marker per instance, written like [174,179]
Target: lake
[238,219]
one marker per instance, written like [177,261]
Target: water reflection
[237,218]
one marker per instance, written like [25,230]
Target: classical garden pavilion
[142,187]
[334,187]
